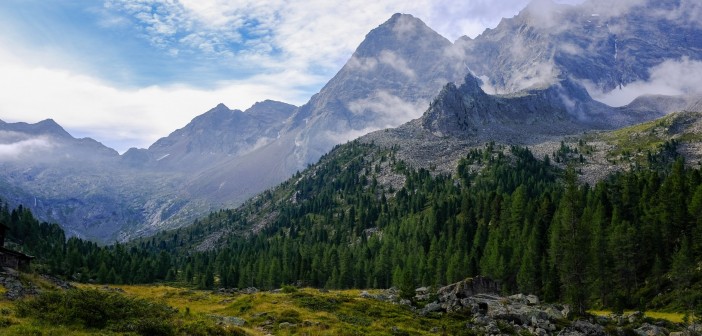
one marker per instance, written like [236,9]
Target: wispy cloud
[672,77]
[121,117]
[13,146]
[387,109]
[310,34]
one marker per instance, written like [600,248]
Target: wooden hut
[9,258]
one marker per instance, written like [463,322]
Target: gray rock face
[467,288]
[15,289]
[608,44]
[562,108]
[221,132]
[388,80]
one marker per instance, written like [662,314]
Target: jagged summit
[467,111]
[402,32]
[390,79]
[271,110]
[50,126]
[44,127]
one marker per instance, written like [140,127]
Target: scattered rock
[633,317]
[651,330]
[308,323]
[112,289]
[423,293]
[227,290]
[286,325]
[680,333]
[58,282]
[229,320]
[696,328]
[430,308]
[249,290]
[467,288]
[14,287]
[578,328]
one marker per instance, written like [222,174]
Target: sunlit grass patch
[670,317]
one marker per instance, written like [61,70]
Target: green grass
[670,317]
[632,143]
[306,311]
[638,139]
[196,312]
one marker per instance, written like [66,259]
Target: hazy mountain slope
[77,182]
[98,194]
[219,133]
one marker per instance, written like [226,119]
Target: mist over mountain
[547,64]
[608,45]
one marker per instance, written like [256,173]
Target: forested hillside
[504,214]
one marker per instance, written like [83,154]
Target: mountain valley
[225,156]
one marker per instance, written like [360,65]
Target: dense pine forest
[633,240]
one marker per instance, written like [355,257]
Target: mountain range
[527,81]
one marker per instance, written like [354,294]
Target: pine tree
[570,245]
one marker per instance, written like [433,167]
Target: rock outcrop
[489,313]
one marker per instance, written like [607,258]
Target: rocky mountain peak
[401,34]
[49,126]
[271,111]
[44,127]
[457,110]
[467,111]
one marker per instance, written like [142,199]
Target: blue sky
[127,72]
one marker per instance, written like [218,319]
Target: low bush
[97,309]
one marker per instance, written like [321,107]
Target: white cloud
[315,33]
[672,77]
[388,110]
[14,145]
[386,57]
[396,62]
[533,76]
[127,117]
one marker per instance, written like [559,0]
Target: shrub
[289,289]
[5,322]
[290,316]
[92,308]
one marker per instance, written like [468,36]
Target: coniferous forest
[633,240]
